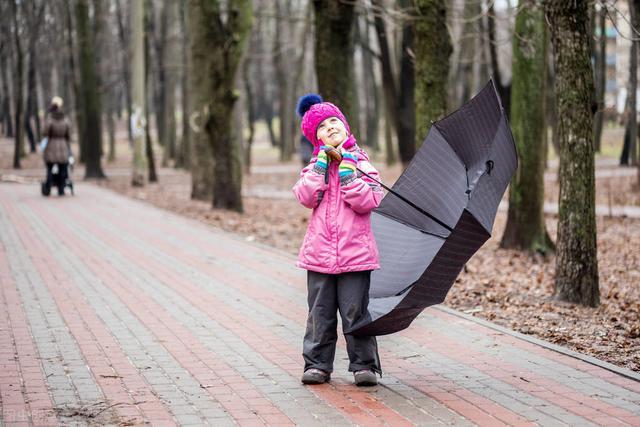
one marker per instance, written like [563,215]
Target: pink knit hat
[313,111]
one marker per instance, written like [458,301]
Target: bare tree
[636,24]
[629,149]
[34,16]
[433,47]
[171,72]
[334,21]
[71,75]
[504,90]
[525,222]
[600,73]
[217,43]
[137,118]
[399,91]
[91,137]
[283,66]
[150,97]
[19,83]
[576,261]
[183,153]
[5,63]
[125,52]
[156,36]
[250,103]
[370,86]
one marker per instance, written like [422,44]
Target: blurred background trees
[193,82]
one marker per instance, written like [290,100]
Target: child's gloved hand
[323,160]
[348,167]
[332,152]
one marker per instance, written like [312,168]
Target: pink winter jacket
[339,237]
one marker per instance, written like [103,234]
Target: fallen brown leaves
[515,290]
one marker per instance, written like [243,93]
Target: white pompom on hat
[57,101]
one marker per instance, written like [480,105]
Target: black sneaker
[365,378]
[315,376]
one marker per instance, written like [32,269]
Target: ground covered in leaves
[510,288]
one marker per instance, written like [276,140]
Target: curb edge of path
[567,352]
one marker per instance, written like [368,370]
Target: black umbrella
[439,212]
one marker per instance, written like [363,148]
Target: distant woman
[58,148]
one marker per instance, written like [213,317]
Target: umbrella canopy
[439,212]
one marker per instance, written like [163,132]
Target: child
[339,250]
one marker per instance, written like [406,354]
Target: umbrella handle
[334,154]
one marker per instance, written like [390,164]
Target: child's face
[331,131]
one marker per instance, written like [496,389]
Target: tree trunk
[89,93]
[148,145]
[392,158]
[334,55]
[18,88]
[467,53]
[200,89]
[100,45]
[170,62]
[72,75]
[5,54]
[111,126]
[388,79]
[183,157]
[264,87]
[149,95]
[125,49]
[503,90]
[525,221]
[576,261]
[552,113]
[249,105]
[433,47]
[158,42]
[600,75]
[283,65]
[137,119]
[636,24]
[216,51]
[299,68]
[32,98]
[479,66]
[34,21]
[629,156]
[270,127]
[371,90]
[400,98]
[406,126]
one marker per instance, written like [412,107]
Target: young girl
[339,250]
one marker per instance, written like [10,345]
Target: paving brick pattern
[115,312]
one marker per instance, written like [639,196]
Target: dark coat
[57,130]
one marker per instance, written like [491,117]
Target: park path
[115,312]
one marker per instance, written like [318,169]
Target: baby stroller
[58,179]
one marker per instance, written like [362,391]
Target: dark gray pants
[328,293]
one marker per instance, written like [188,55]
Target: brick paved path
[113,311]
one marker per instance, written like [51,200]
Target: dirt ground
[507,287]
